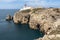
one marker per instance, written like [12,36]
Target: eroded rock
[21,17]
[43,19]
[9,18]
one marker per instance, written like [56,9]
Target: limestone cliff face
[39,18]
[54,33]
[21,16]
[46,20]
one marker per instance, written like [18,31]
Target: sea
[11,31]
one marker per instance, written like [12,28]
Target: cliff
[46,20]
[21,17]
[54,34]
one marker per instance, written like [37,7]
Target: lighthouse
[26,7]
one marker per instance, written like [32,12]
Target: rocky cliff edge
[46,20]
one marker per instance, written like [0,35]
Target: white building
[26,8]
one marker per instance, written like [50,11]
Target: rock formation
[43,19]
[54,33]
[22,17]
[9,18]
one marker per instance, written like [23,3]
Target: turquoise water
[11,31]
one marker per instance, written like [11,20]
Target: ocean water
[11,31]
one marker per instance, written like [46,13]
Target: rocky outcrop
[46,20]
[38,18]
[54,34]
[49,22]
[22,17]
[43,19]
[9,18]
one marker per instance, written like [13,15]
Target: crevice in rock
[38,26]
[53,17]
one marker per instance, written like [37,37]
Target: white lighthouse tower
[26,7]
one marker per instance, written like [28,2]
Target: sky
[17,4]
